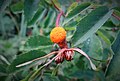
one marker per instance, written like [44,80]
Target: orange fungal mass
[58,34]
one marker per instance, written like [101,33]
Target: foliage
[92,25]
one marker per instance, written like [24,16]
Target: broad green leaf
[88,75]
[107,36]
[108,25]
[72,24]
[38,16]
[49,19]
[102,35]
[76,11]
[37,42]
[30,6]
[18,7]
[25,57]
[52,18]
[90,24]
[93,47]
[113,71]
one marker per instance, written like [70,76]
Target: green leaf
[115,21]
[38,16]
[93,47]
[72,6]
[36,74]
[49,20]
[117,8]
[27,77]
[76,11]
[88,75]
[25,57]
[37,42]
[113,71]
[102,35]
[18,7]
[56,4]
[90,24]
[2,69]
[117,13]
[115,17]
[23,26]
[30,6]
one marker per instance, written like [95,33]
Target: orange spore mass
[58,34]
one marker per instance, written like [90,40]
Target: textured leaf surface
[90,24]
[38,16]
[113,71]
[76,11]
[37,42]
[93,47]
[25,57]
[105,38]
[30,8]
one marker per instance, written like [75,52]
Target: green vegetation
[91,25]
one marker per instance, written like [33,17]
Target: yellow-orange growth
[58,34]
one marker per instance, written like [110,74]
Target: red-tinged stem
[56,6]
[58,18]
[59,9]
[63,44]
[116,16]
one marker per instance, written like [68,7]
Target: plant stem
[55,6]
[58,18]
[116,16]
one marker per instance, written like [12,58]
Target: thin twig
[58,8]
[60,52]
[54,52]
[58,19]
[116,16]
[55,6]
[26,63]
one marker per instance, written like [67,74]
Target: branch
[117,17]
[58,18]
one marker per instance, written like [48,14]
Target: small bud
[68,55]
[59,59]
